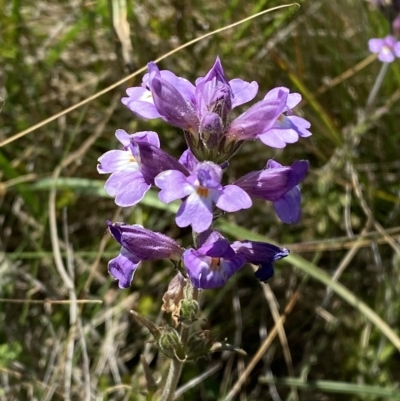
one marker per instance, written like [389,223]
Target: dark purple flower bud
[145,244]
[152,98]
[138,244]
[262,254]
[172,106]
[274,181]
[211,129]
[278,184]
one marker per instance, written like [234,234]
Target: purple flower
[203,111]
[126,182]
[286,128]
[396,25]
[387,48]
[211,265]
[180,103]
[262,254]
[138,244]
[256,120]
[278,184]
[201,189]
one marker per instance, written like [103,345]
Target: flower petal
[375,45]
[195,211]
[233,198]
[189,160]
[128,188]
[242,91]
[154,161]
[173,185]
[123,268]
[140,102]
[123,137]
[117,160]
[288,206]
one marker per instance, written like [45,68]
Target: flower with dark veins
[138,244]
[216,261]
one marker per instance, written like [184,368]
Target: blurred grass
[55,54]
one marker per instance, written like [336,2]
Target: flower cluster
[204,112]
[388,48]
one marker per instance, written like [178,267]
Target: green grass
[342,334]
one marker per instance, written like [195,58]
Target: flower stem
[376,87]
[175,370]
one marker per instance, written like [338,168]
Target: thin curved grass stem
[376,87]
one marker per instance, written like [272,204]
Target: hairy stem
[175,370]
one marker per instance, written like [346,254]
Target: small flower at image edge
[138,244]
[387,48]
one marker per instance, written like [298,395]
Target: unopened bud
[170,344]
[199,345]
[189,309]
[211,129]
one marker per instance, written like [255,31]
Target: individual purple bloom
[286,128]
[215,261]
[138,244]
[140,100]
[126,181]
[387,48]
[201,189]
[277,184]
[262,254]
[257,119]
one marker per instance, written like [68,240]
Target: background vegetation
[332,345]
